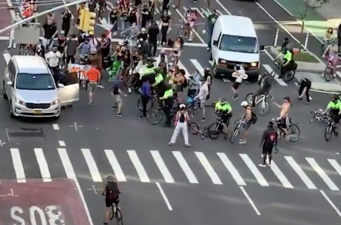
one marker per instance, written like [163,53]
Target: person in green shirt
[225,109]
[168,103]
[288,62]
[334,110]
[211,19]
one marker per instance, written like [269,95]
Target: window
[34,82]
[238,44]
[11,70]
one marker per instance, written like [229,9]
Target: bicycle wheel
[214,131]
[289,75]
[150,105]
[249,98]
[235,134]
[119,217]
[327,74]
[294,132]
[111,213]
[193,128]
[154,116]
[263,108]
[328,132]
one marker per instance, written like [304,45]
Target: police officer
[269,140]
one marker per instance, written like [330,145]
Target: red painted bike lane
[5,16]
[36,202]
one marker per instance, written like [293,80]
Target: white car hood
[238,57]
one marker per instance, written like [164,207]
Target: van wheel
[4,91]
[11,110]
[214,70]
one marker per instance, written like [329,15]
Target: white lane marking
[335,165]
[55,126]
[322,174]
[253,168]
[115,165]
[230,167]
[95,174]
[250,200]
[164,196]
[7,57]
[210,62]
[138,166]
[162,166]
[281,177]
[196,9]
[270,70]
[44,168]
[208,167]
[18,166]
[185,167]
[197,65]
[181,66]
[62,143]
[300,172]
[223,7]
[331,203]
[70,173]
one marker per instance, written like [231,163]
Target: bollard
[306,41]
[276,38]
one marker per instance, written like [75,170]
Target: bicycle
[328,72]
[289,75]
[262,103]
[150,104]
[319,115]
[330,130]
[195,129]
[216,128]
[157,114]
[292,130]
[117,213]
[236,130]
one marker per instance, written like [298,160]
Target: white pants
[180,127]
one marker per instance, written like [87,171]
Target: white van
[234,42]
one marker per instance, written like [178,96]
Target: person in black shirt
[143,34]
[165,22]
[49,32]
[132,16]
[91,5]
[111,193]
[165,5]
[304,87]
[66,21]
[269,140]
[113,17]
[126,62]
[145,16]
[153,32]
[105,50]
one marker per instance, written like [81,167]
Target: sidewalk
[317,20]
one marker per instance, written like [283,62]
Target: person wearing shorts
[117,93]
[93,76]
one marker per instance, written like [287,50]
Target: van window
[238,44]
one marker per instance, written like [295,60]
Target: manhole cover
[25,134]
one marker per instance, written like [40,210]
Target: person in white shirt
[181,124]
[240,75]
[11,39]
[53,59]
[202,95]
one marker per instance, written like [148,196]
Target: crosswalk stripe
[209,169]
[281,177]
[256,173]
[270,70]
[44,168]
[95,174]
[198,66]
[230,167]
[138,166]
[322,174]
[185,167]
[18,166]
[64,157]
[181,66]
[300,172]
[115,165]
[335,165]
[162,166]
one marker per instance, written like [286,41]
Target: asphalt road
[85,132]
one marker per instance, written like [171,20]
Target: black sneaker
[114,107]
[119,114]
[141,117]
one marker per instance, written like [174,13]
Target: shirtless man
[247,118]
[283,116]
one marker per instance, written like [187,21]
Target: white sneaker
[208,49]
[9,46]
[129,90]
[14,45]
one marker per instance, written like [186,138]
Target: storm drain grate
[25,134]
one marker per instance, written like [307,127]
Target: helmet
[335,98]
[270,124]
[223,101]
[143,30]
[244,103]
[207,70]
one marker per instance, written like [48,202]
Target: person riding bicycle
[334,110]
[168,98]
[111,193]
[265,84]
[288,62]
[223,108]
[331,53]
[328,36]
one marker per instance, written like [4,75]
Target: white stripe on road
[253,168]
[44,168]
[233,171]
[300,172]
[96,176]
[181,66]
[197,66]
[209,169]
[138,166]
[18,166]
[115,165]
[64,157]
[336,165]
[162,166]
[281,177]
[270,70]
[185,167]
[322,174]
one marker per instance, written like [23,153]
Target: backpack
[112,190]
[254,118]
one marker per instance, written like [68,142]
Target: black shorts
[225,118]
[110,202]
[261,91]
[267,149]
[236,85]
[335,117]
[282,123]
